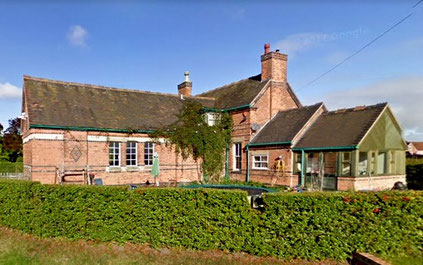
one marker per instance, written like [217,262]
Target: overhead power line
[418,3]
[362,48]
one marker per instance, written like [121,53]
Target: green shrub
[11,167]
[415,176]
[308,226]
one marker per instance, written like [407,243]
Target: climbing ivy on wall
[191,136]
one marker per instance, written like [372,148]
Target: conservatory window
[346,164]
[362,163]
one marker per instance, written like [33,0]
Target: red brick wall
[266,176]
[43,157]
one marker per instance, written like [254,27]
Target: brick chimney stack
[273,65]
[185,88]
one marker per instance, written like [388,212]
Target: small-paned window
[131,153]
[211,118]
[261,162]
[148,153]
[237,156]
[114,154]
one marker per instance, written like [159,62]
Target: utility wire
[418,3]
[362,48]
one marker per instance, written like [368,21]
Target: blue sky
[149,45]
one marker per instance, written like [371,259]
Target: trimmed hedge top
[306,225]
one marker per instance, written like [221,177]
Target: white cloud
[404,96]
[300,42]
[77,35]
[8,90]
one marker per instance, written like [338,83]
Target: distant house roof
[418,145]
[66,104]
[285,125]
[341,128]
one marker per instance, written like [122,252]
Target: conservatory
[352,149]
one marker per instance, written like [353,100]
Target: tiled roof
[341,128]
[285,125]
[236,94]
[66,104]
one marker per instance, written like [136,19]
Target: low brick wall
[369,183]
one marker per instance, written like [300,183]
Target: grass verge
[17,248]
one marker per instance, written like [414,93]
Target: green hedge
[11,167]
[308,226]
[415,176]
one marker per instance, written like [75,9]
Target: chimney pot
[266,48]
[185,88]
[187,76]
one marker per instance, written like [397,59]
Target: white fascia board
[43,136]
[101,138]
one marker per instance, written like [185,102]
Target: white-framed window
[131,154]
[211,118]
[260,162]
[237,156]
[114,154]
[148,153]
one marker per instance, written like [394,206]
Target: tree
[191,136]
[12,142]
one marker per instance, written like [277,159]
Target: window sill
[132,169]
[263,169]
[114,169]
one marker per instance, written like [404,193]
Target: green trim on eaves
[269,144]
[229,109]
[76,128]
[354,147]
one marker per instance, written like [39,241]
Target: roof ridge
[354,108]
[230,84]
[46,80]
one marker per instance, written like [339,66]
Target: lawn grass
[17,248]
[406,261]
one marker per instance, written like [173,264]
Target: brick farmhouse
[104,132]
